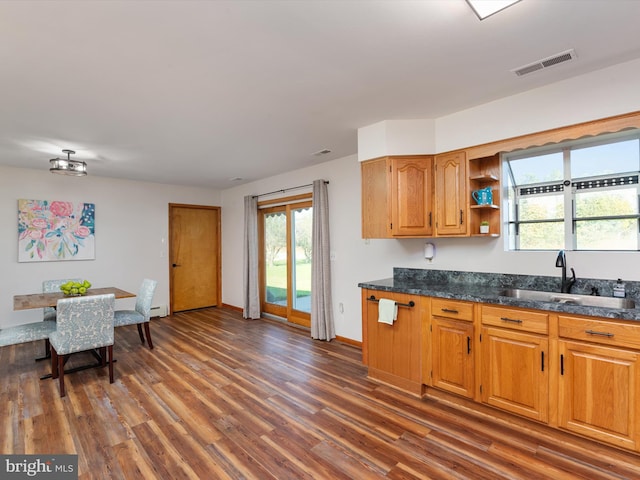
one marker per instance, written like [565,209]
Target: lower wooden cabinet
[452,356]
[514,372]
[579,374]
[393,351]
[599,392]
[452,347]
[599,380]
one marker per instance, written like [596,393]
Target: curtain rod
[287,189]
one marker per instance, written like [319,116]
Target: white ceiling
[199,92]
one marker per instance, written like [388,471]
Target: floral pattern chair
[49,286]
[83,323]
[142,313]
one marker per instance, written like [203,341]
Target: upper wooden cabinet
[376,207]
[411,196]
[397,197]
[451,194]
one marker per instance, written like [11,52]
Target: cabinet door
[514,372]
[375,198]
[599,392]
[452,360]
[411,196]
[451,194]
[393,351]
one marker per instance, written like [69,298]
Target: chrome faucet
[561,262]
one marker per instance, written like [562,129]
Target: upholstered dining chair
[142,313]
[49,286]
[83,323]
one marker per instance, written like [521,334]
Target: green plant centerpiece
[484,226]
[74,289]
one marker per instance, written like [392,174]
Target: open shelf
[484,178]
[485,173]
[489,206]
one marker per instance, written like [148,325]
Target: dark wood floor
[222,397]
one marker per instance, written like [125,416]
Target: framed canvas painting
[54,230]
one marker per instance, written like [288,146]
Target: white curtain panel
[251,296]
[322,326]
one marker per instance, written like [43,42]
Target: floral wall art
[55,230]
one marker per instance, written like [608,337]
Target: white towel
[387,311]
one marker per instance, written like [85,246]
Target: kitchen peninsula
[561,362]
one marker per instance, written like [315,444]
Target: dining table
[50,299]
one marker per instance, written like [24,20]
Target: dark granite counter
[487,288]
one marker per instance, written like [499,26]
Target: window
[579,195]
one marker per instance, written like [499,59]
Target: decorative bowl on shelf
[75,289]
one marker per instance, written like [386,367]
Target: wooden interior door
[195,270]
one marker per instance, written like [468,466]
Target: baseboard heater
[159,311]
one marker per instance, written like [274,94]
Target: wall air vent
[545,63]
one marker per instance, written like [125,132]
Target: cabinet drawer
[441,307]
[600,331]
[525,320]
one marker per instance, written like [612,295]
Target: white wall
[604,93]
[131,222]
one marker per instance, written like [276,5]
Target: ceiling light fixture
[67,166]
[486,8]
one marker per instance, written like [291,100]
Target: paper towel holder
[429,251]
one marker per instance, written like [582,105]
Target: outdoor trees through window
[580,195]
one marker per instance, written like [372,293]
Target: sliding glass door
[285,235]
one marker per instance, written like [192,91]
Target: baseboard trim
[349,341]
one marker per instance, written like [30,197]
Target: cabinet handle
[449,310]
[561,364]
[542,361]
[468,345]
[429,218]
[512,320]
[460,216]
[601,334]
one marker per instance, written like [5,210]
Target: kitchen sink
[568,298]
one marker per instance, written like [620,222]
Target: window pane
[542,236]
[616,157]
[301,230]
[607,234]
[541,207]
[275,258]
[606,203]
[542,168]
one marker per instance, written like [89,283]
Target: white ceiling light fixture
[486,8]
[63,166]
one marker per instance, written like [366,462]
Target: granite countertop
[487,288]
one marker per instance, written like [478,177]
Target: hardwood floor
[222,397]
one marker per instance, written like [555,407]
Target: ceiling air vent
[545,63]
[322,152]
